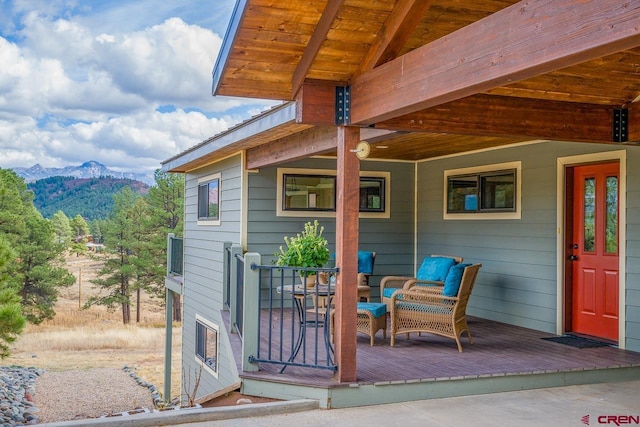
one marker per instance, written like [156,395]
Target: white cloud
[86,81]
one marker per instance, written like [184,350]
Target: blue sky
[125,83]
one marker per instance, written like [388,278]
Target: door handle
[573,257]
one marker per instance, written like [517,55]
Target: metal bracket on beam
[620,125]
[343,106]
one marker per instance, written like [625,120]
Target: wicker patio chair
[429,309]
[406,282]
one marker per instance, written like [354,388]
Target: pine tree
[62,227]
[166,201]
[11,320]
[118,273]
[37,273]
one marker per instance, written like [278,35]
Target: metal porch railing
[176,250]
[294,320]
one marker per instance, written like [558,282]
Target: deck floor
[498,349]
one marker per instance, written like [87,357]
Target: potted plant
[306,250]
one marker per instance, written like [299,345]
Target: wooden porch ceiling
[453,75]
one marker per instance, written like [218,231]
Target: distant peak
[91,164]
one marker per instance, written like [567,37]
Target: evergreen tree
[118,273]
[11,320]
[80,233]
[62,228]
[79,229]
[166,201]
[38,273]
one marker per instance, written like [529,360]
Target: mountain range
[90,169]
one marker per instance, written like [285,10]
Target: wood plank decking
[499,350]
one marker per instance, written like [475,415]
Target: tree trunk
[138,306]
[126,313]
[177,308]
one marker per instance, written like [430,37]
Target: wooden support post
[348,188]
[168,344]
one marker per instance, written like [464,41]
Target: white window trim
[214,327]
[321,214]
[204,179]
[517,214]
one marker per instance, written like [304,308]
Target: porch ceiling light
[362,150]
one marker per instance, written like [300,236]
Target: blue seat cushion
[376,308]
[453,279]
[435,268]
[365,262]
[387,292]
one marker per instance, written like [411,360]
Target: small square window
[207,345]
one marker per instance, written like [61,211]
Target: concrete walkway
[596,404]
[550,407]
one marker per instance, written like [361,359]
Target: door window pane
[589,214]
[611,227]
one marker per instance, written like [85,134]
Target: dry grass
[96,337]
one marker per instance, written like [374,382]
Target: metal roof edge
[262,122]
[229,37]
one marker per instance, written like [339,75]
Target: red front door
[594,251]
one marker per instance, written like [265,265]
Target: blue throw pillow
[452,282]
[435,268]
[365,262]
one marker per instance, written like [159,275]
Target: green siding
[391,238]
[517,283]
[203,255]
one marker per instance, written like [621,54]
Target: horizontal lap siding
[517,283]
[633,249]
[203,269]
[391,238]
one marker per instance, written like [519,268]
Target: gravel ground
[88,393]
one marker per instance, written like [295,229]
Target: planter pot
[310,281]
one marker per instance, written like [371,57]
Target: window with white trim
[491,191]
[207,344]
[209,200]
[301,191]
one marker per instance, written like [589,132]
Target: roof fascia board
[271,119]
[227,42]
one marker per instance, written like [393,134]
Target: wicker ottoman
[372,316]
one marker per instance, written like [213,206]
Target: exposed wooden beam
[487,115]
[524,40]
[316,104]
[313,46]
[634,122]
[397,29]
[307,143]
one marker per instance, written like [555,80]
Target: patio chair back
[427,309]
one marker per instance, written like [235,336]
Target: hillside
[91,198]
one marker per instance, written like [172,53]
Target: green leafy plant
[307,249]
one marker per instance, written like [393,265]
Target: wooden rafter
[394,34]
[524,40]
[486,115]
[317,38]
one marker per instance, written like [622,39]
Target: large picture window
[209,198]
[483,191]
[207,344]
[302,191]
